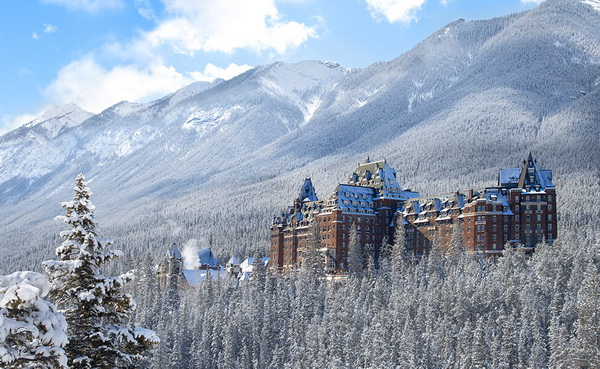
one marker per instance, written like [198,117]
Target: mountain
[215,161]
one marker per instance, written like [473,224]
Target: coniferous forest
[455,311]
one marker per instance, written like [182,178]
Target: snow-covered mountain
[215,160]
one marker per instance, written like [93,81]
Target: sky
[96,53]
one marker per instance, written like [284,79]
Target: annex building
[521,209]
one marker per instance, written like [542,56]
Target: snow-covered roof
[207,259]
[353,198]
[382,177]
[529,176]
[307,191]
[195,277]
[233,261]
[497,195]
[509,176]
[247,266]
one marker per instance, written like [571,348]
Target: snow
[23,309]
[303,83]
[205,120]
[59,117]
[247,266]
[196,277]
[233,261]
[593,3]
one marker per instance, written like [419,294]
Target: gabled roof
[529,176]
[195,277]
[307,191]
[233,261]
[247,265]
[207,259]
[382,177]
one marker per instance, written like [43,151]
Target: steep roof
[528,177]
[307,191]
[382,177]
[206,258]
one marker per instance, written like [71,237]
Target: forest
[445,311]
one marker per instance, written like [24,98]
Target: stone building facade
[521,209]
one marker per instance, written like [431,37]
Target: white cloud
[144,8]
[212,72]
[532,1]
[10,122]
[95,88]
[90,6]
[128,82]
[136,70]
[35,36]
[227,25]
[395,10]
[50,28]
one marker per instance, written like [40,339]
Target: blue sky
[96,53]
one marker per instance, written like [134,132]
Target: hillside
[214,162]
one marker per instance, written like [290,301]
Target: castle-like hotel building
[521,209]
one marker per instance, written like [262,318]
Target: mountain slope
[215,161]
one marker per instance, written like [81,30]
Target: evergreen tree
[587,344]
[94,305]
[312,260]
[356,254]
[32,332]
[400,255]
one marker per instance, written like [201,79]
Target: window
[494,218]
[528,218]
[539,218]
[505,237]
[494,246]
[517,207]
[539,226]
[549,206]
[505,209]
[528,237]
[527,227]
[517,198]
[527,207]
[517,218]
[549,198]
[549,227]
[494,228]
[549,217]
[506,228]
[517,236]
[505,219]
[494,237]
[517,228]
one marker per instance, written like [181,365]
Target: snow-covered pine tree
[94,305]
[312,261]
[32,332]
[400,255]
[356,254]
